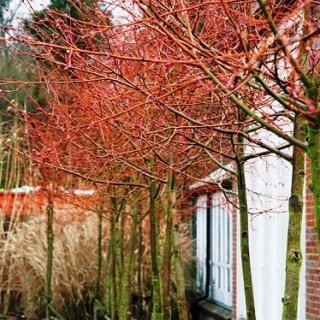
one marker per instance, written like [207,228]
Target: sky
[20,7]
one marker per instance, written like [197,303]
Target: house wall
[309,305]
[269,190]
[20,203]
[312,263]
[268,181]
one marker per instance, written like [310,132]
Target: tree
[175,58]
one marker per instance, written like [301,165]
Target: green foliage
[70,7]
[17,72]
[41,24]
[15,95]
[3,4]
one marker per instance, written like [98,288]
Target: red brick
[312,264]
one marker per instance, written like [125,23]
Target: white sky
[20,7]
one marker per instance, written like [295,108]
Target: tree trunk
[177,261]
[244,230]
[167,254]
[179,276]
[157,305]
[118,231]
[50,239]
[314,154]
[294,255]
[111,274]
[139,271]
[126,312]
[108,285]
[99,263]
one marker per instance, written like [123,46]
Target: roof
[217,177]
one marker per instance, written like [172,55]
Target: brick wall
[312,263]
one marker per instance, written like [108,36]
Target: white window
[214,231]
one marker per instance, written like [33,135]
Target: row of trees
[152,96]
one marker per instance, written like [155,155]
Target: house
[216,230]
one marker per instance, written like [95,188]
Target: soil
[18,317]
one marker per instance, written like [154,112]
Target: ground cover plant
[76,294]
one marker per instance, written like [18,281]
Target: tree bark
[167,252]
[111,274]
[294,254]
[157,303]
[244,230]
[50,239]
[126,312]
[99,262]
[176,253]
[179,276]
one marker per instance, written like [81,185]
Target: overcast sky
[20,7]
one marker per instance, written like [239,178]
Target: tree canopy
[171,90]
